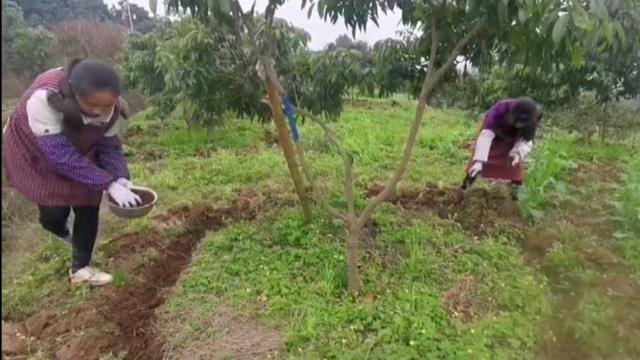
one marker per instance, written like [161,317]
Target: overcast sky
[321,32]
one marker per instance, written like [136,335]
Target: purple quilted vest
[28,169]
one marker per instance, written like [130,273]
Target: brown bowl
[149,198]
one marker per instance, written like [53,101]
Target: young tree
[540,32]
[398,66]
[230,14]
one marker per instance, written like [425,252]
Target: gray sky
[321,32]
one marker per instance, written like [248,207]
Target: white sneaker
[90,276]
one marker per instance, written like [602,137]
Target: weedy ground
[226,268]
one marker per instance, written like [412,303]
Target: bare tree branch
[330,135]
[427,88]
[270,72]
[347,161]
[269,13]
[274,92]
[314,186]
[305,166]
[348,188]
[457,50]
[435,39]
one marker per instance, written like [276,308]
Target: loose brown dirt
[477,211]
[463,300]
[538,244]
[150,154]
[14,340]
[121,319]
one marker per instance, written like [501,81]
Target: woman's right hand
[123,196]
[475,168]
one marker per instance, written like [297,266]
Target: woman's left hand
[125,182]
[515,159]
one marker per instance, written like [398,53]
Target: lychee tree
[542,33]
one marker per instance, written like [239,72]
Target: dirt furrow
[121,320]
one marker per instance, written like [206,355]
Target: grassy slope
[290,276]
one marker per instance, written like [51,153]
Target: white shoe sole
[88,283]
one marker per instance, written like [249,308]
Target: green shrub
[25,51]
[588,117]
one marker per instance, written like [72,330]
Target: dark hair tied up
[82,78]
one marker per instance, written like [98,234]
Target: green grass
[437,157]
[47,276]
[291,276]
[627,199]
[627,211]
[594,217]
[552,164]
[298,271]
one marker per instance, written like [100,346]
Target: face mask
[97,119]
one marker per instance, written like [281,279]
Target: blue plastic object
[288,110]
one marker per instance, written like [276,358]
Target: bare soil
[462,299]
[122,318]
[477,211]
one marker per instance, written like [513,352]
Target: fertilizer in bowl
[148,198]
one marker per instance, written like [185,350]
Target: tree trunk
[287,147]
[353,237]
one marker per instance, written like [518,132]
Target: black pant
[85,230]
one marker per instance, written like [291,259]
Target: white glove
[125,182]
[123,196]
[515,159]
[475,168]
[520,150]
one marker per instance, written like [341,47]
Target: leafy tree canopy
[202,70]
[541,33]
[49,12]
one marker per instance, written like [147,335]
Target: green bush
[200,72]
[480,92]
[588,117]
[30,52]
[25,51]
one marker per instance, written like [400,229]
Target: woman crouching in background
[505,139]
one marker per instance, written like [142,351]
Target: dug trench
[121,319]
[477,211]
